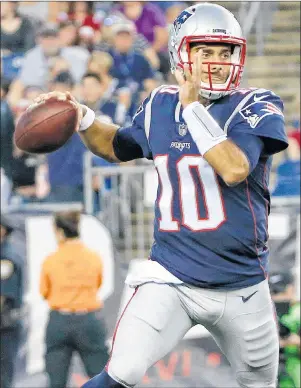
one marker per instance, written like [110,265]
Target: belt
[74,312]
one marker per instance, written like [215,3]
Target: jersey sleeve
[131,142]
[261,116]
[252,146]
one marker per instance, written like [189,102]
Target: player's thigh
[248,335]
[152,324]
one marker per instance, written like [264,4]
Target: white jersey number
[189,195]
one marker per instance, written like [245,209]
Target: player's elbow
[235,176]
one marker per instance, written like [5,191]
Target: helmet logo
[181,19]
[215,30]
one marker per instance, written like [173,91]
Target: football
[46,126]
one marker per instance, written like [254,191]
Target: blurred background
[110,55]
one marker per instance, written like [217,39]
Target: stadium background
[117,200]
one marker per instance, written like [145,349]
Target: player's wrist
[88,118]
[83,109]
[204,130]
[187,103]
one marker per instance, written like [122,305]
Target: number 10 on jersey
[189,195]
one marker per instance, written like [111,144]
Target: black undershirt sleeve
[126,147]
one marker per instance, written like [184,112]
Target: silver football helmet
[210,23]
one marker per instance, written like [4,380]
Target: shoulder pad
[167,93]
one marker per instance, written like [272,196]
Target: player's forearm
[220,152]
[99,137]
[229,162]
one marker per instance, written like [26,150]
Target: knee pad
[258,378]
[261,345]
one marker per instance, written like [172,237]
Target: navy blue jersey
[207,233]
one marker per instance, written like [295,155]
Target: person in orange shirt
[70,280]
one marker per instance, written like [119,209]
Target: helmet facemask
[211,90]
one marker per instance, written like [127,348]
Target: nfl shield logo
[182,129]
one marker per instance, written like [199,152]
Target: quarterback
[211,143]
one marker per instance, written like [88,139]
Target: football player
[211,143]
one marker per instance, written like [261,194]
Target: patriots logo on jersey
[181,19]
[255,112]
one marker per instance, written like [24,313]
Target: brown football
[45,127]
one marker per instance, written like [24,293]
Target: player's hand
[60,96]
[190,83]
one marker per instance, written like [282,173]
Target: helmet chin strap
[212,94]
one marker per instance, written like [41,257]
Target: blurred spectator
[173,10]
[23,166]
[62,82]
[70,280]
[6,188]
[283,290]
[17,32]
[58,65]
[101,64]
[87,38]
[11,65]
[38,63]
[294,132]
[68,34]
[149,20]
[31,92]
[42,182]
[95,95]
[131,68]
[63,172]
[23,176]
[140,44]
[288,171]
[81,12]
[7,128]
[5,84]
[287,179]
[60,178]
[37,11]
[12,280]
[103,7]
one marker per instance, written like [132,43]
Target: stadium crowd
[110,56]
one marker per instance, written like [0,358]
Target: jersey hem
[248,282]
